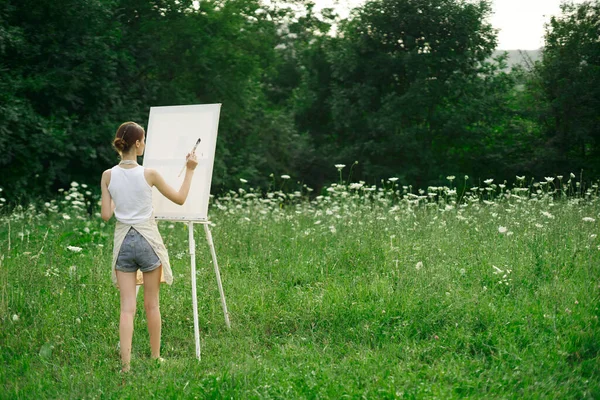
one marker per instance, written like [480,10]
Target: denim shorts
[136,253]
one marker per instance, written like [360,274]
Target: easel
[172,131]
[192,244]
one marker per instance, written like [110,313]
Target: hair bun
[119,144]
[126,137]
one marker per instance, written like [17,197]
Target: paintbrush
[192,152]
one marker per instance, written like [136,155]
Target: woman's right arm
[107,206]
[177,197]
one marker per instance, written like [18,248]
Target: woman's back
[131,193]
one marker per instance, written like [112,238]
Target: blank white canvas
[172,133]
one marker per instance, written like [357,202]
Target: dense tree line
[407,88]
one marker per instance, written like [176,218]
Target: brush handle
[182,169]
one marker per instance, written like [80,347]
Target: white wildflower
[332,229]
[549,179]
[572,175]
[15,317]
[51,272]
[419,265]
[547,214]
[285,177]
[74,249]
[392,179]
[521,178]
[451,178]
[74,184]
[243,180]
[502,229]
[340,166]
[588,219]
[488,181]
[66,216]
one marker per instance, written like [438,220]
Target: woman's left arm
[108,207]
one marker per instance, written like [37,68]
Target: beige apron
[149,230]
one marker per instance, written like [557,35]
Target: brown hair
[126,136]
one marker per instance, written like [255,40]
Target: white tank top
[131,193]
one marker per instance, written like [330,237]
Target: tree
[57,76]
[569,76]
[72,71]
[390,71]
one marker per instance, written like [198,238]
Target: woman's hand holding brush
[191,161]
[194,160]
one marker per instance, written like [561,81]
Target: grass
[363,293]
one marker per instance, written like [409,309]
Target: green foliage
[404,88]
[569,77]
[381,95]
[57,84]
[69,78]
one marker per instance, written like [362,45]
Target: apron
[149,230]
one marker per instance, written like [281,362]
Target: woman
[139,255]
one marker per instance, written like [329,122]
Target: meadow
[362,292]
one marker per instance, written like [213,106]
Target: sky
[521,22]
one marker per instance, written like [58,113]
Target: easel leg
[194,296]
[214,258]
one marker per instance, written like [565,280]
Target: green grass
[318,312]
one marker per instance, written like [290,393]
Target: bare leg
[126,282]
[151,304]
